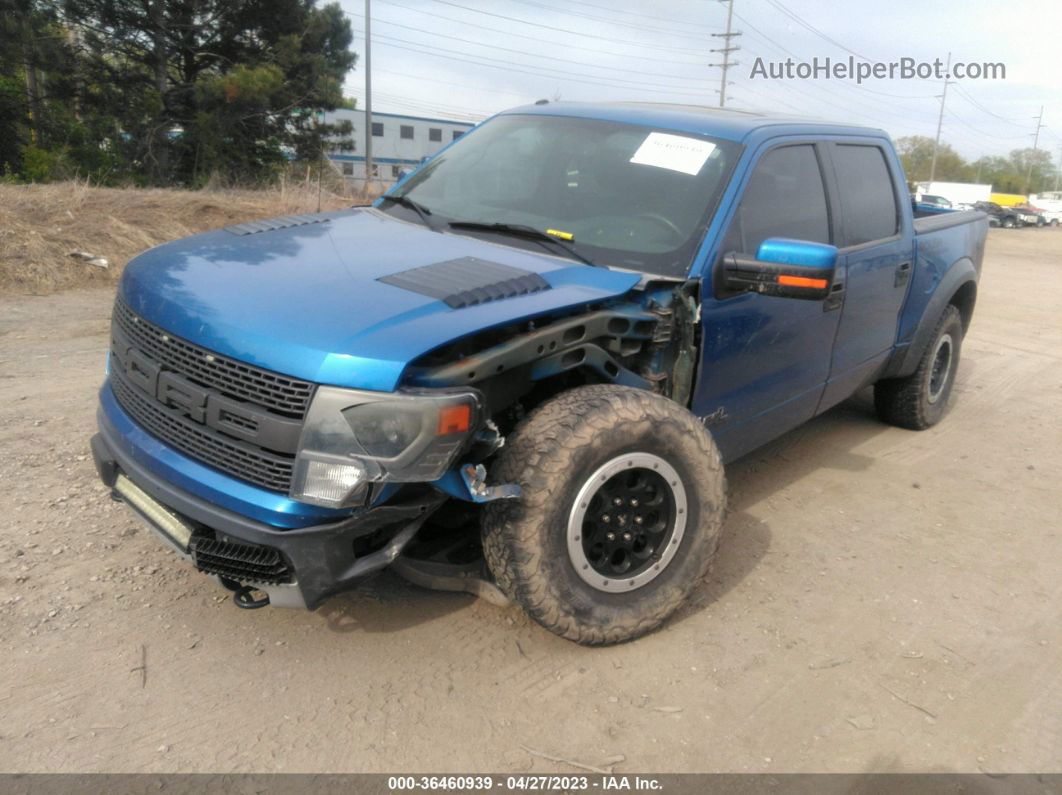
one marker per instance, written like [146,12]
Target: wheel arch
[957,288]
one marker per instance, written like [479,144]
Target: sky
[467,59]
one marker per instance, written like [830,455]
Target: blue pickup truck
[533,356]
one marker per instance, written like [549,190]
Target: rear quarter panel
[949,250]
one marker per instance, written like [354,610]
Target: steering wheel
[663,221]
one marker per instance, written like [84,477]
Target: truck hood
[303,296]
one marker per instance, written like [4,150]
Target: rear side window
[868,199]
[784,198]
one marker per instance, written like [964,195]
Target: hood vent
[468,281]
[271,224]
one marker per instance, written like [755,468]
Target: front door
[765,360]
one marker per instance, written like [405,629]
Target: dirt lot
[883,601]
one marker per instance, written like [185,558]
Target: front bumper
[297,567]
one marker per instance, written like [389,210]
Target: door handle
[903,273]
[835,299]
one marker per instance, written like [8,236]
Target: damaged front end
[646,340]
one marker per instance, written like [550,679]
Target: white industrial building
[399,143]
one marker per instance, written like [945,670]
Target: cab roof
[725,123]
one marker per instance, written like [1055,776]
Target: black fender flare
[905,360]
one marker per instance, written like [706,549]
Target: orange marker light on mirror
[454,419]
[803,281]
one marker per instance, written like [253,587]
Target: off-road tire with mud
[917,402]
[552,455]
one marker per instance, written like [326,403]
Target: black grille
[241,562]
[285,395]
[245,461]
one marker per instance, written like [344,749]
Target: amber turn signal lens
[802,281]
[454,419]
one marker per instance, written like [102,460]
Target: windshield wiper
[415,206]
[525,231]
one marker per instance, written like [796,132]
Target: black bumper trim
[321,557]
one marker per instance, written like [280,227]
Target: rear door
[877,254]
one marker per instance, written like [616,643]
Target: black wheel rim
[628,524]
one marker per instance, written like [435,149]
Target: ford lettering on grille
[232,430]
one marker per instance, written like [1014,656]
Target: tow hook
[243,595]
[475,478]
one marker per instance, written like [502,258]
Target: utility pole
[726,50]
[940,123]
[1036,143]
[368,96]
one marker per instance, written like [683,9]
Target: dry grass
[40,225]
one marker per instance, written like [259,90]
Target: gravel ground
[883,601]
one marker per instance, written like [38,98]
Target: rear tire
[622,502]
[920,400]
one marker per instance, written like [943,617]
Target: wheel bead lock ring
[627,522]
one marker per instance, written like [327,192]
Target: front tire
[920,400]
[622,503]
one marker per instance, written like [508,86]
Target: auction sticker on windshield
[675,152]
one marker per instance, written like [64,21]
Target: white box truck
[958,193]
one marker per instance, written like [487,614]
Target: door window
[785,198]
[868,198]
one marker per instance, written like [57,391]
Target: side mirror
[784,268]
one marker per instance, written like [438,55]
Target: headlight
[352,438]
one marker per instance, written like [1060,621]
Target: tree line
[168,92]
[1023,171]
[176,92]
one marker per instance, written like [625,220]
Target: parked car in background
[930,205]
[1030,216]
[935,201]
[998,216]
[958,193]
[1053,217]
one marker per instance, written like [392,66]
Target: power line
[465,24]
[808,26]
[980,132]
[686,22]
[979,106]
[532,54]
[504,66]
[427,107]
[609,20]
[579,33]
[774,42]
[387,39]
[452,83]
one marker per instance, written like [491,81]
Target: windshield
[619,194]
